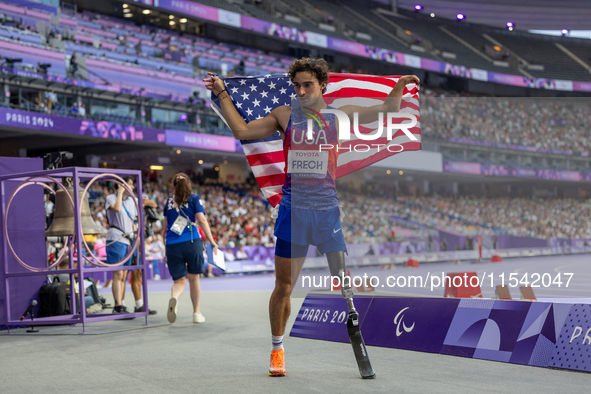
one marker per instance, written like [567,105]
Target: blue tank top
[310,181]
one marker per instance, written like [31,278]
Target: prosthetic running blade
[359,348]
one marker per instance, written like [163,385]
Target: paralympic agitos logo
[345,126]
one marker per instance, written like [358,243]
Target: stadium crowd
[540,218]
[539,123]
[554,218]
[237,217]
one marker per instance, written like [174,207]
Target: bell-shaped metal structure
[63,217]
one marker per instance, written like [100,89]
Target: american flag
[256,97]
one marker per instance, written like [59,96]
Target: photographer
[122,216]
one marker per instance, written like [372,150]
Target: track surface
[230,351]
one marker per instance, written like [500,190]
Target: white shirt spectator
[229,256]
[157,249]
[241,254]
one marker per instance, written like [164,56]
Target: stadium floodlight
[460,17]
[128,15]
[418,7]
[146,12]
[183,20]
[172,23]
[564,32]
[125,5]
[171,17]
[432,15]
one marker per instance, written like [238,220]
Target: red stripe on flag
[275,199]
[271,180]
[266,158]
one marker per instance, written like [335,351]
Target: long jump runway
[230,352]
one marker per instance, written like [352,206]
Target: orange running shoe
[277,367]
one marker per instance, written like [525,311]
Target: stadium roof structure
[525,14]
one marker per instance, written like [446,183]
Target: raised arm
[119,201]
[390,104]
[259,128]
[149,203]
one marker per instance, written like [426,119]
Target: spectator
[82,110]
[228,256]
[51,98]
[37,104]
[92,300]
[73,64]
[155,249]
[241,254]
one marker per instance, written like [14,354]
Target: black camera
[151,216]
[54,160]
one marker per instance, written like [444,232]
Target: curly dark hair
[182,188]
[316,67]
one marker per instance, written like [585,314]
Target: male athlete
[309,203]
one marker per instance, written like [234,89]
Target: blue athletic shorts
[117,251]
[185,258]
[296,229]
